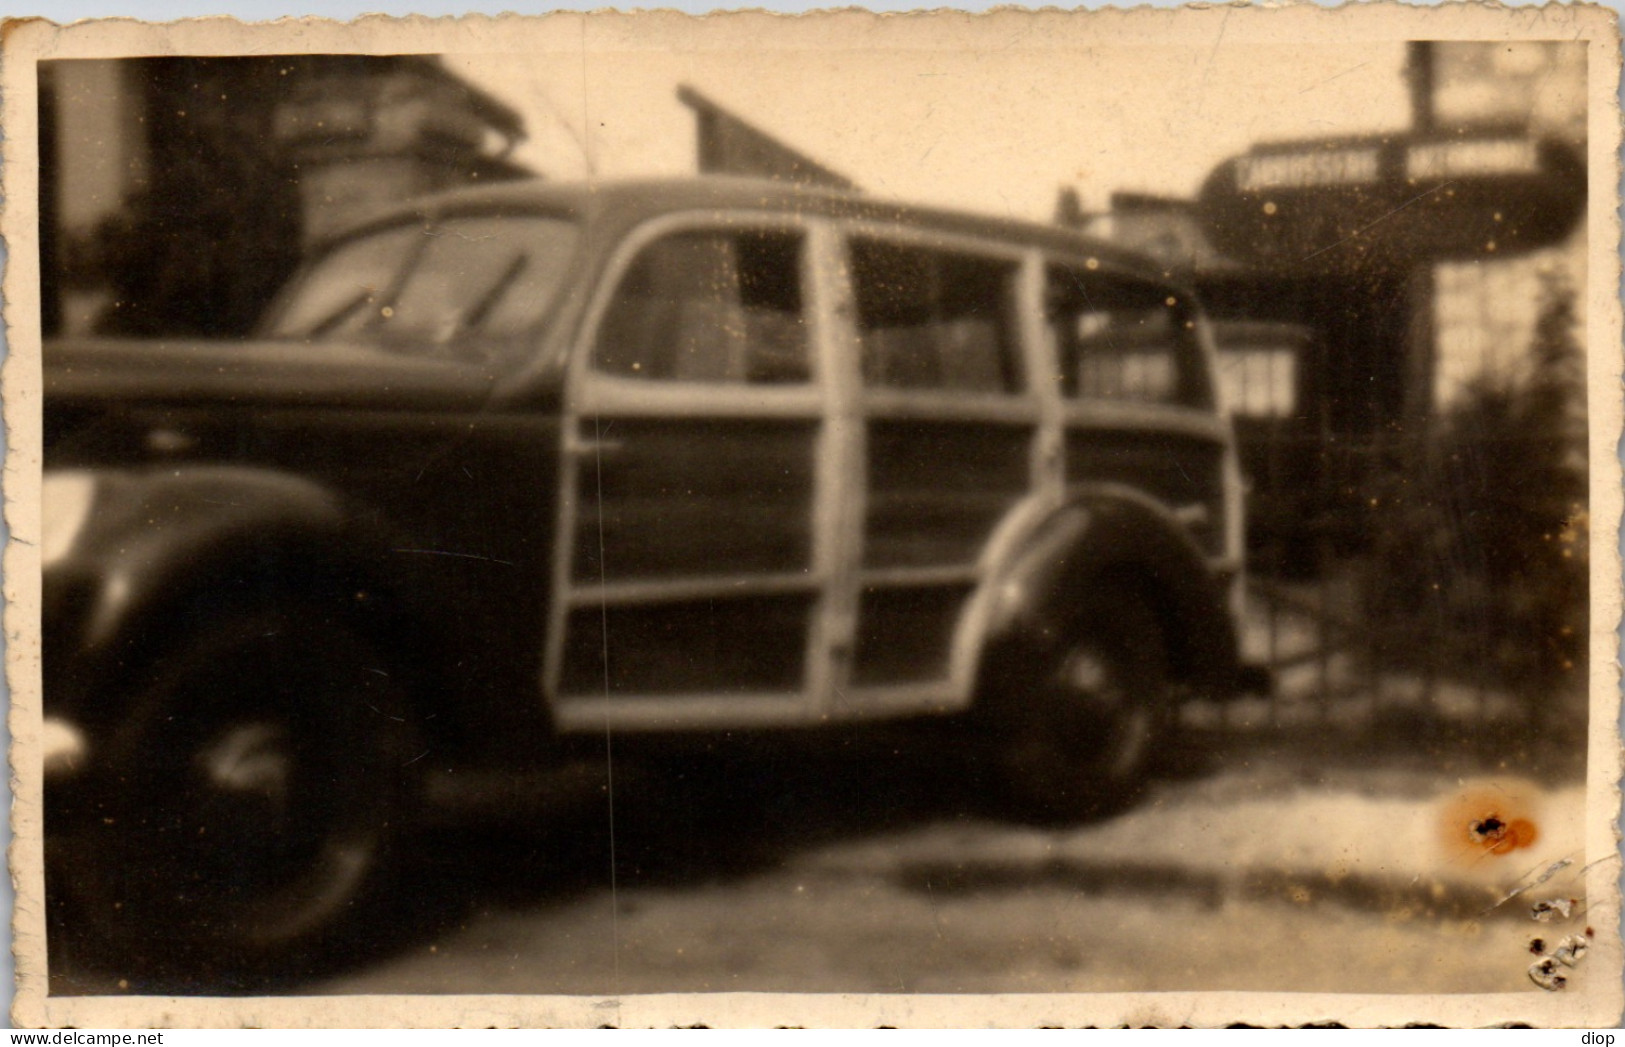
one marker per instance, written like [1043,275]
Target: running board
[518,795]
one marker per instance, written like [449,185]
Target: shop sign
[1344,204]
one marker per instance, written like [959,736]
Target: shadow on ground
[734,808]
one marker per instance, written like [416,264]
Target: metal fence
[1411,575]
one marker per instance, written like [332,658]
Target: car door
[695,438]
[951,447]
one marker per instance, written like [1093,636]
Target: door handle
[592,447]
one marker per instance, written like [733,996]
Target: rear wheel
[252,798]
[1077,724]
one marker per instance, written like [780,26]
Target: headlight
[65,506]
[63,747]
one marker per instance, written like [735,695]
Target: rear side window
[933,319]
[1124,340]
[720,306]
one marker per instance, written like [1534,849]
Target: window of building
[1258,367]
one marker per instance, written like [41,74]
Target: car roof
[630,202]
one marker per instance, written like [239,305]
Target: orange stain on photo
[1488,820]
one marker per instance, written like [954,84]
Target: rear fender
[1117,536]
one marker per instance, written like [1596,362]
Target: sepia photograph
[1083,518]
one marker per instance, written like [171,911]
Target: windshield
[472,287]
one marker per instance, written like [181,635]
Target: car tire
[1078,719]
[250,802]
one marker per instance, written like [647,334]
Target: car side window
[721,306]
[935,319]
[1123,340]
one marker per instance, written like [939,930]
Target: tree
[1483,571]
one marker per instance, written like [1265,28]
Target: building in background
[1364,286]
[176,194]
[727,144]
[1485,309]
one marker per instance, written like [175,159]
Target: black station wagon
[510,469]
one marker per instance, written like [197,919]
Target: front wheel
[1075,725]
[249,800]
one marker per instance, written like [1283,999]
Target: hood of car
[270,372]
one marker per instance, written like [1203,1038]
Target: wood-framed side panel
[944,469]
[737,484]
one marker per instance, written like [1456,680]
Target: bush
[1480,564]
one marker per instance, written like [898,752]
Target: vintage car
[511,469]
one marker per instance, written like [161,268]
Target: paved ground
[1271,870]
[1271,856]
[1341,862]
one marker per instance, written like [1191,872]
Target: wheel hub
[1087,674]
[1106,712]
[250,761]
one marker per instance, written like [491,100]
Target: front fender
[150,538]
[1106,536]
